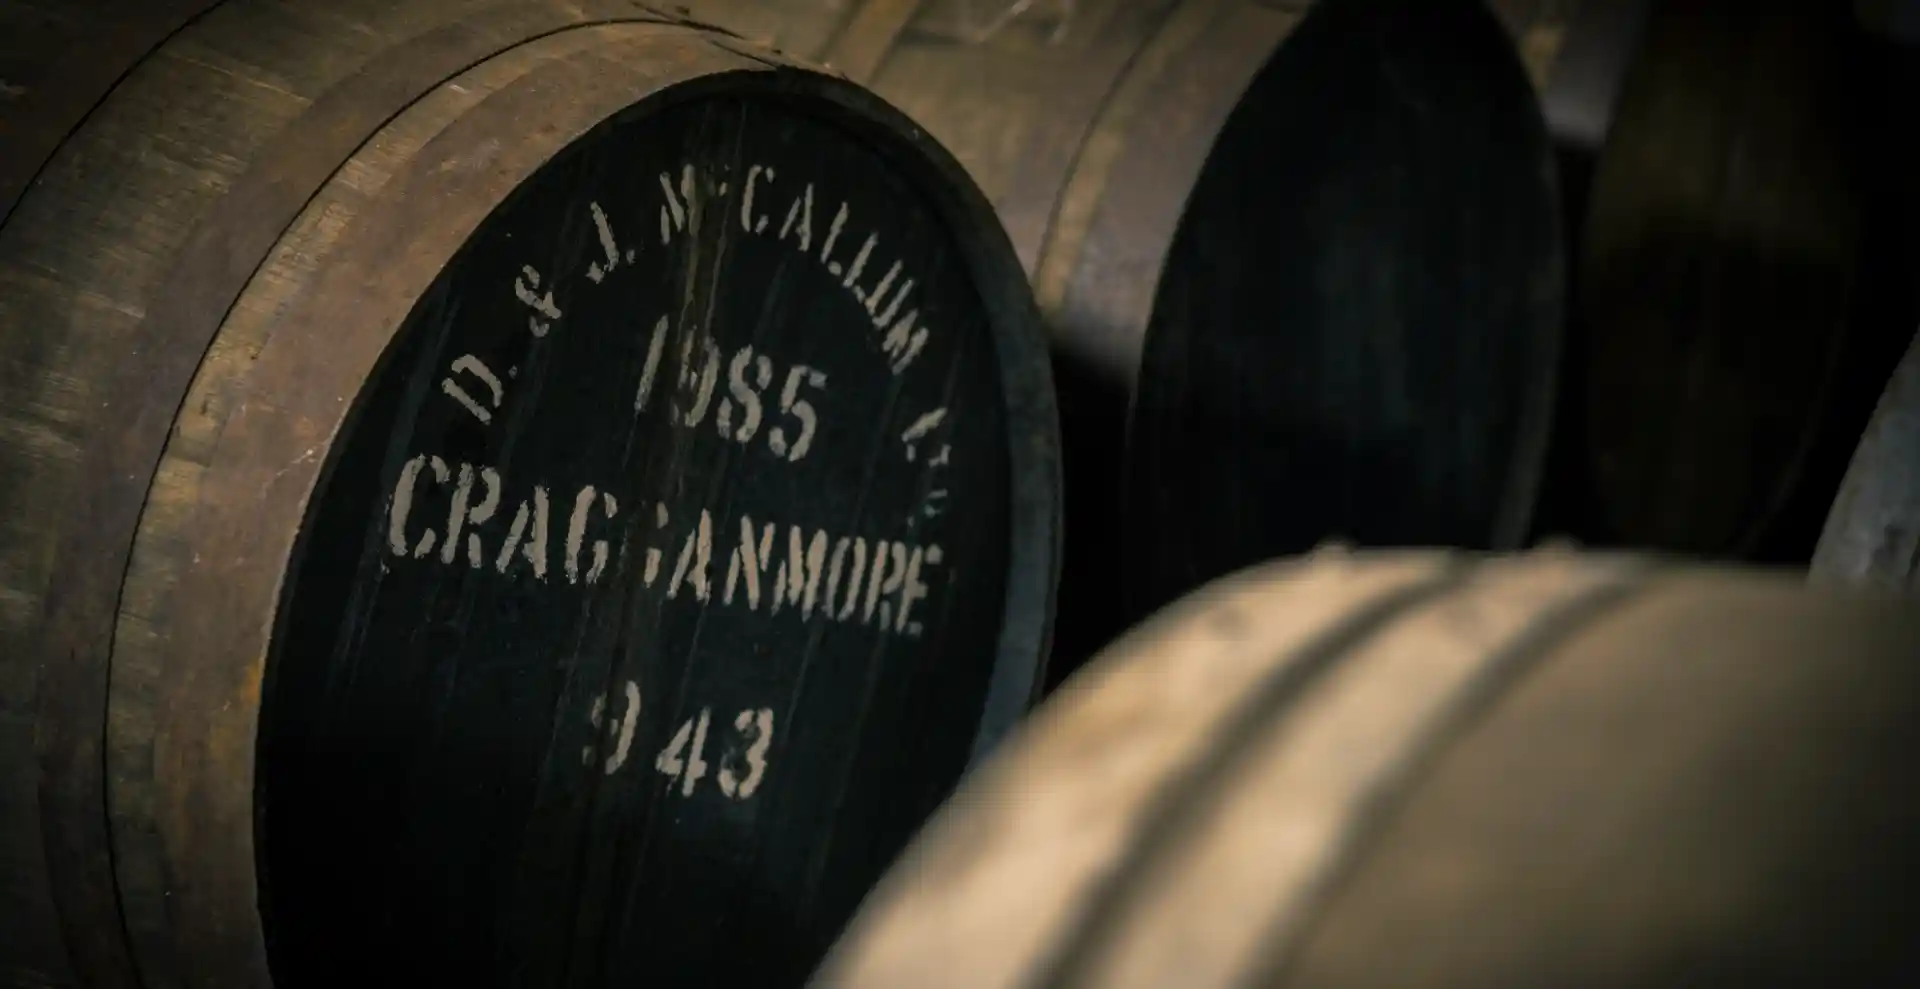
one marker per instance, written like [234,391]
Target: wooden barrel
[1407,768]
[1301,258]
[501,493]
[1872,534]
[1726,313]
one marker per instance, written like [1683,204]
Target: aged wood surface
[58,61]
[298,121]
[1404,768]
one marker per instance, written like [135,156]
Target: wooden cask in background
[1303,259]
[1376,769]
[1740,293]
[1871,534]
[497,493]
[1739,242]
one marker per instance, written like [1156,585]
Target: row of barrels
[559,492]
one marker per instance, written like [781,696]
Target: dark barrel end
[1722,275]
[694,532]
[1356,329]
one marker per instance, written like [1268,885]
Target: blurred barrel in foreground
[1416,769]
[1872,535]
[496,494]
[1313,245]
[1731,319]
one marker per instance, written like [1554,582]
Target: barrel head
[660,580]
[1356,329]
[1721,273]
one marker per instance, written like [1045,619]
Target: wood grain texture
[58,61]
[1551,769]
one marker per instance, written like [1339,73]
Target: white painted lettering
[673,213]
[885,319]
[697,376]
[801,210]
[859,262]
[653,552]
[683,761]
[756,727]
[844,578]
[402,506]
[872,300]
[656,343]
[528,536]
[621,730]
[889,567]
[524,288]
[746,392]
[684,757]
[750,221]
[472,365]
[927,423]
[750,557]
[577,534]
[696,558]
[850,599]
[461,516]
[792,404]
[904,341]
[913,589]
[838,223]
[598,270]
[797,582]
